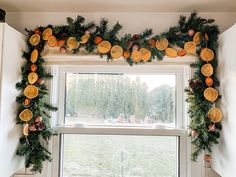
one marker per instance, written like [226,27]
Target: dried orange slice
[215,115]
[26,129]
[197,38]
[207,54]
[210,94]
[26,115]
[46,33]
[52,41]
[31,91]
[162,44]
[207,70]
[136,56]
[72,43]
[145,54]
[84,39]
[116,51]
[190,47]
[104,47]
[34,39]
[34,56]
[32,77]
[170,52]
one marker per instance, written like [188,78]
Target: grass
[119,156]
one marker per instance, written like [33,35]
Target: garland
[193,35]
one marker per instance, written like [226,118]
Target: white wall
[132,23]
[225,153]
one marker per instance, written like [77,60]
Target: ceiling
[118,5]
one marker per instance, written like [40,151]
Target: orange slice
[190,47]
[34,39]
[32,77]
[31,91]
[26,129]
[26,115]
[104,47]
[84,39]
[136,56]
[46,34]
[197,38]
[210,94]
[207,54]
[215,115]
[116,51]
[52,41]
[162,44]
[72,43]
[207,70]
[145,54]
[170,52]
[34,56]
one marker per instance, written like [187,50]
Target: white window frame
[182,73]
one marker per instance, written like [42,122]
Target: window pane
[119,156]
[120,99]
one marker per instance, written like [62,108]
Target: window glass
[119,156]
[120,99]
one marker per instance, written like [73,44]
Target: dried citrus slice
[72,43]
[31,91]
[26,129]
[26,115]
[207,54]
[162,44]
[116,51]
[170,52]
[84,39]
[52,41]
[136,56]
[197,38]
[46,33]
[34,39]
[34,56]
[32,77]
[145,54]
[207,70]
[104,47]
[215,115]
[210,94]
[190,47]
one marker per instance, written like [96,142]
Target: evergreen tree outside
[117,98]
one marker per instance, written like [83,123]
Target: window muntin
[119,156]
[120,99]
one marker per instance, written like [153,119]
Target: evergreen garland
[33,145]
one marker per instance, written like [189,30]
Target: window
[121,121]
